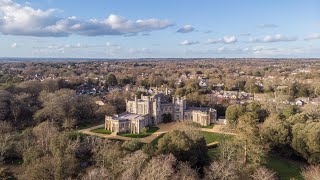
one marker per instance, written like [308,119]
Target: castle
[151,110]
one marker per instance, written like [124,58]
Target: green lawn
[284,168]
[212,137]
[208,127]
[101,131]
[150,131]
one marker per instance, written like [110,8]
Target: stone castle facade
[150,110]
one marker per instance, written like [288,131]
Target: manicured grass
[213,137]
[150,131]
[208,127]
[101,131]
[284,168]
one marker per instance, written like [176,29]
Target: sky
[160,29]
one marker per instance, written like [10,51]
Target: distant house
[218,87]
[114,88]
[315,101]
[230,94]
[203,84]
[261,97]
[89,89]
[127,87]
[100,103]
[300,103]
[179,82]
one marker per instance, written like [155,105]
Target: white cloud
[221,49]
[273,38]
[185,29]
[229,39]
[313,36]
[225,40]
[187,43]
[17,19]
[13,45]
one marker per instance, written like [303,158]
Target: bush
[132,145]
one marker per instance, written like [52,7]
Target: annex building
[151,110]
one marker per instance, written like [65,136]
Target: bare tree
[222,170]
[311,173]
[5,139]
[133,165]
[97,174]
[185,172]
[263,173]
[159,168]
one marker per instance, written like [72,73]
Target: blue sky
[166,28]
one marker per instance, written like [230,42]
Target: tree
[144,130]
[133,165]
[311,173]
[6,139]
[222,170]
[184,148]
[5,102]
[55,156]
[111,80]
[277,131]
[132,145]
[289,111]
[185,171]
[306,141]
[160,167]
[233,112]
[252,149]
[255,107]
[65,108]
[97,174]
[263,173]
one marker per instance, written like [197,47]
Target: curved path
[163,128]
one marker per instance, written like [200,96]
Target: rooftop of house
[127,116]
